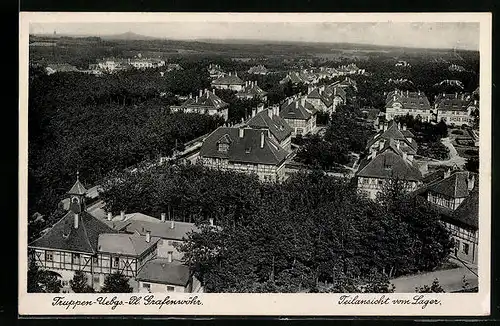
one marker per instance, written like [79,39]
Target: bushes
[435,150]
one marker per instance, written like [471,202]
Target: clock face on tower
[75,205]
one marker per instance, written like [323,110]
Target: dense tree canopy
[97,124]
[310,233]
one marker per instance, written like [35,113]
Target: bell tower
[77,196]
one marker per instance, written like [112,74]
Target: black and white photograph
[335,157]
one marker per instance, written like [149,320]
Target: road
[450,280]
[454,159]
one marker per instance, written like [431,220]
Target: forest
[312,233]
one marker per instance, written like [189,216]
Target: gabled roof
[409,100]
[64,236]
[252,90]
[125,244]
[454,186]
[389,164]
[160,270]
[453,102]
[278,127]
[393,132]
[208,100]
[228,80]
[468,211]
[77,189]
[296,110]
[244,149]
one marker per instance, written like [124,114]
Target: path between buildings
[454,159]
[449,279]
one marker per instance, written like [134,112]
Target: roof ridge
[85,232]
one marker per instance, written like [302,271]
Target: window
[75,259]
[116,262]
[49,256]
[466,248]
[95,261]
[170,288]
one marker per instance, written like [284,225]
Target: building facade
[455,109]
[402,103]
[245,150]
[206,102]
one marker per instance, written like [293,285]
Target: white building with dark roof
[455,109]
[402,103]
[269,119]
[206,102]
[252,91]
[230,81]
[385,165]
[455,194]
[247,150]
[299,114]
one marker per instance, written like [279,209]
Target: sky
[408,34]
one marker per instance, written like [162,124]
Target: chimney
[373,154]
[163,217]
[470,181]
[394,97]
[456,95]
[254,111]
[229,73]
[397,145]
[260,107]
[148,236]
[385,126]
[262,140]
[213,91]
[405,157]
[172,224]
[211,221]
[270,112]
[196,98]
[201,93]
[404,127]
[309,89]
[169,256]
[76,220]
[110,216]
[296,104]
[381,144]
[447,174]
[242,132]
[399,125]
[122,215]
[303,101]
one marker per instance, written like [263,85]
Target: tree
[42,281]
[116,283]
[79,283]
[472,164]
[435,287]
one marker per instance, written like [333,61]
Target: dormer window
[223,147]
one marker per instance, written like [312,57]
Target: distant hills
[129,36]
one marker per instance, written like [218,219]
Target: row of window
[75,259]
[148,287]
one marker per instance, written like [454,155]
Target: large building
[399,134]
[387,164]
[71,244]
[326,98]
[247,150]
[252,91]
[269,119]
[402,103]
[455,109]
[215,71]
[230,81]
[99,244]
[455,194]
[300,115]
[206,102]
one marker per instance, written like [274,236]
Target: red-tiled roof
[228,80]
